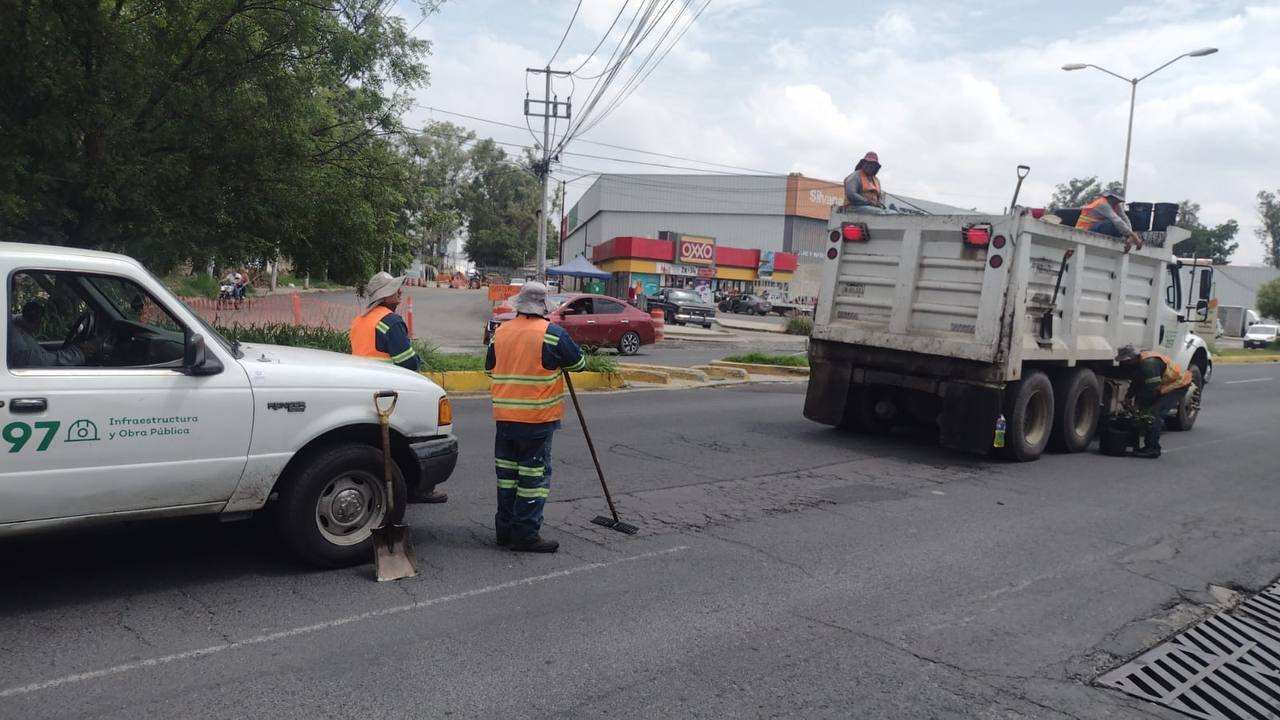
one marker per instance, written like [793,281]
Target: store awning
[580,267]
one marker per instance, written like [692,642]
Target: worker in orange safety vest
[526,360]
[379,333]
[1105,216]
[862,187]
[1158,386]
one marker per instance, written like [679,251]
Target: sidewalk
[735,323]
[689,332]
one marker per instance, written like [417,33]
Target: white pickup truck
[119,403]
[956,320]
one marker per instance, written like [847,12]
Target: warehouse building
[779,220]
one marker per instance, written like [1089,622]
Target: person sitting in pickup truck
[862,187]
[25,351]
[1106,217]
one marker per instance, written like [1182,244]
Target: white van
[118,403]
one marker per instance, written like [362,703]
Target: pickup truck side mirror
[196,359]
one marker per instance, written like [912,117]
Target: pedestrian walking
[526,360]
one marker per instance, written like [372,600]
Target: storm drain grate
[1263,607]
[1226,667]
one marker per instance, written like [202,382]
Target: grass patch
[756,358]
[800,326]
[284,280]
[193,286]
[1241,352]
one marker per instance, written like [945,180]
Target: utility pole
[561,227]
[547,108]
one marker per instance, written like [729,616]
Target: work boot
[1147,452]
[536,544]
[434,497]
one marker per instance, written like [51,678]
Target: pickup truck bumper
[436,458]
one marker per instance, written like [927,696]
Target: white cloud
[952,104]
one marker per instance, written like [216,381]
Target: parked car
[593,321]
[683,306]
[1260,336]
[749,304]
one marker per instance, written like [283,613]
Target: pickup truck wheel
[1189,408]
[331,503]
[1029,414]
[1077,403]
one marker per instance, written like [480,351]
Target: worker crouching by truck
[1158,386]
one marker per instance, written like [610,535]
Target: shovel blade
[612,524]
[393,553]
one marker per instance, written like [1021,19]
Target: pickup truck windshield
[682,296]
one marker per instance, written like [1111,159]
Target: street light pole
[1133,97]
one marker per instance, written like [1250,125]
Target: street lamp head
[1202,52]
[1076,66]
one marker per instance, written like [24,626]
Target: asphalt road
[783,569]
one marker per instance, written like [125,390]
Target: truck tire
[1077,401]
[1029,414]
[1189,408]
[332,501]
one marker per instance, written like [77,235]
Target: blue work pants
[522,456]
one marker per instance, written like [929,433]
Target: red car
[593,320]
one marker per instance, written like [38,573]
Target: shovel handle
[384,420]
[384,412]
[608,498]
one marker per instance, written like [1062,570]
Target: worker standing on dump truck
[1106,217]
[862,187]
[1158,386]
[527,359]
[379,333]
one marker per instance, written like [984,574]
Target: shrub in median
[800,326]
[756,358]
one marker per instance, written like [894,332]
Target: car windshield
[555,301]
[683,296]
[1263,329]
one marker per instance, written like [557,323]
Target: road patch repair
[1227,667]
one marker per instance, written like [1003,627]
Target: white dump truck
[958,320]
[117,402]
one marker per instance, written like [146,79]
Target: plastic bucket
[1069,216]
[1165,214]
[1140,216]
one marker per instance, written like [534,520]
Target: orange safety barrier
[408,314]
[659,324]
[297,308]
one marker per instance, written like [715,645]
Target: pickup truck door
[131,431]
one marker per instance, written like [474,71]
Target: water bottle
[1000,428]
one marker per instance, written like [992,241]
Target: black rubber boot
[432,498]
[1146,452]
[536,544]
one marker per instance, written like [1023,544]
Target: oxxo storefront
[691,261]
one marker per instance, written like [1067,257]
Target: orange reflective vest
[869,187]
[364,334]
[1089,215]
[523,390]
[1175,377]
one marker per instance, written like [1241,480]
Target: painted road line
[320,626]
[1252,380]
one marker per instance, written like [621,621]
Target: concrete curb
[737,324]
[475,381]
[777,370]
[692,374]
[722,372]
[1245,359]
[639,374]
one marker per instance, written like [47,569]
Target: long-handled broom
[612,523]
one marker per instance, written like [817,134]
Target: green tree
[1269,300]
[1269,231]
[1078,192]
[1216,243]
[501,202]
[208,130]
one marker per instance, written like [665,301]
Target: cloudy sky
[952,95]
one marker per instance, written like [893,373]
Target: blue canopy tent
[579,267]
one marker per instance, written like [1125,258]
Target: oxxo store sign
[695,250]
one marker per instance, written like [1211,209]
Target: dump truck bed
[915,285]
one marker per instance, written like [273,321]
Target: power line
[566,33]
[608,145]
[607,33]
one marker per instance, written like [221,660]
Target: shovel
[1023,170]
[392,550]
[613,523]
